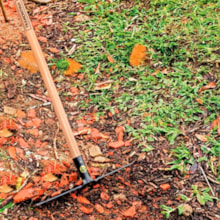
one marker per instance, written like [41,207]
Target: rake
[58,107]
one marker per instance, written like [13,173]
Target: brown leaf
[27,61]
[102,159]
[210,85]
[5,133]
[49,177]
[11,87]
[131,212]
[9,110]
[201,137]
[103,85]
[95,151]
[81,18]
[5,189]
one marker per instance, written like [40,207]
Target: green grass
[183,42]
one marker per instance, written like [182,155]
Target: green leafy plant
[183,157]
[9,205]
[202,195]
[167,210]
[62,64]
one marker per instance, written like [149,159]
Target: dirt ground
[38,153]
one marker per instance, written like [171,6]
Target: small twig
[214,181]
[207,181]
[37,106]
[55,142]
[72,49]
[3,11]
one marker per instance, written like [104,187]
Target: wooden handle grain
[47,78]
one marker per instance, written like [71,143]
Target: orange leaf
[131,212]
[110,59]
[72,177]
[31,113]
[86,210]
[64,180]
[116,144]
[210,85]
[96,134]
[27,61]
[119,129]
[53,50]
[165,186]
[105,196]
[42,39]
[199,101]
[20,152]
[5,133]
[26,194]
[215,123]
[12,153]
[138,55]
[74,67]
[218,117]
[83,200]
[99,208]
[23,143]
[3,140]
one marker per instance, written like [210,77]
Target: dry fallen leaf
[9,110]
[138,55]
[199,101]
[5,189]
[81,18]
[95,151]
[74,67]
[210,85]
[5,133]
[102,159]
[201,137]
[11,87]
[103,85]
[28,61]
[49,177]
[110,59]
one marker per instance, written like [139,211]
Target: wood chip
[102,159]
[95,151]
[9,110]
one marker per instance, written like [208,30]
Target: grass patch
[182,38]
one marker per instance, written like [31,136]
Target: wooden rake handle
[3,11]
[47,78]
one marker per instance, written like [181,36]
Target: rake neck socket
[81,167]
